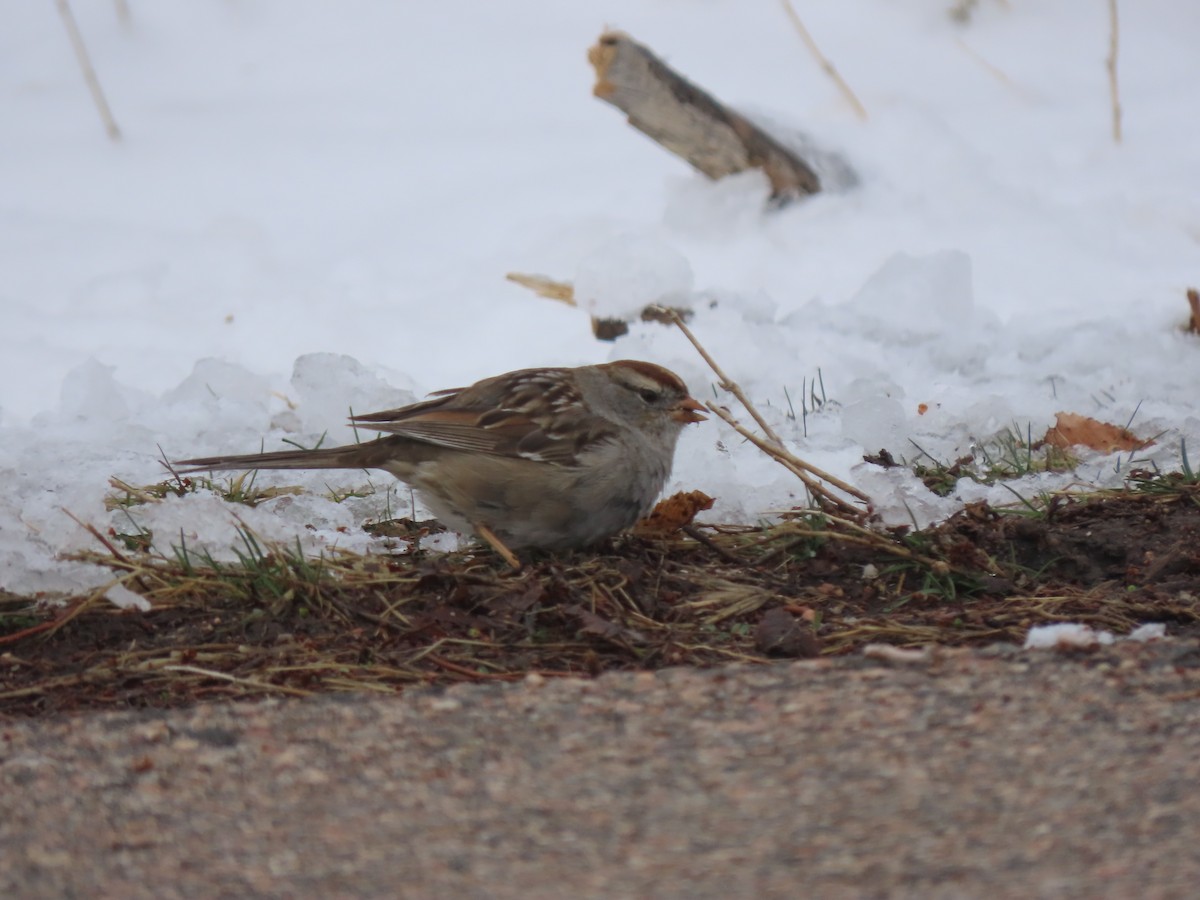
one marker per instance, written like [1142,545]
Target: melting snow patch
[124,598]
[1151,631]
[1072,635]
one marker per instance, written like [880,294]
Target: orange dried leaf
[1071,430]
[674,513]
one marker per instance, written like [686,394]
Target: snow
[623,276]
[1076,636]
[314,206]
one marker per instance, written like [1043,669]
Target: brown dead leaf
[1072,429]
[1193,298]
[673,513]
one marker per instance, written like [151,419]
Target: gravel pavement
[984,773]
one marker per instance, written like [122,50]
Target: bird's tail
[368,455]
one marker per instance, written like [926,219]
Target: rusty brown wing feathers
[503,416]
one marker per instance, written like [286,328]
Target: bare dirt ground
[279,624]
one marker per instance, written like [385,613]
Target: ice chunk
[90,393]
[328,386]
[214,381]
[917,295]
[900,498]
[876,423]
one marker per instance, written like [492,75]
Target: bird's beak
[688,411]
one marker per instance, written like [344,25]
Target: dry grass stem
[545,286]
[89,73]
[244,682]
[773,446]
[1110,64]
[806,472]
[826,66]
[723,381]
[995,71]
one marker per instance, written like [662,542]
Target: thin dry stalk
[809,474]
[1111,64]
[908,635]
[253,683]
[89,73]
[140,494]
[868,538]
[107,545]
[995,71]
[46,685]
[797,467]
[823,61]
[724,381]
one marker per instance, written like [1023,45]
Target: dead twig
[690,122]
[701,538]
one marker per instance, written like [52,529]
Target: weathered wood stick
[690,122]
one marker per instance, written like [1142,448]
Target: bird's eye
[648,395]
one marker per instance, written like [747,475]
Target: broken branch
[690,122]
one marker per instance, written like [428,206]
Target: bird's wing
[529,417]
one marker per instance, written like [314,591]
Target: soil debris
[278,623]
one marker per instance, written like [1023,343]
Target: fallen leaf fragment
[673,513]
[1071,429]
[545,286]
